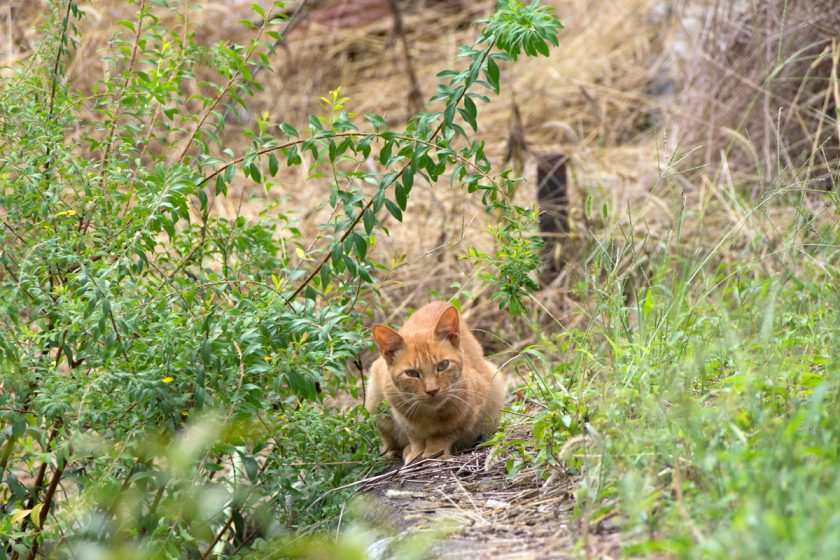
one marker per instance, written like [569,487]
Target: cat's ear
[388,340]
[449,327]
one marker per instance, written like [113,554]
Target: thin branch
[367,206]
[39,479]
[229,521]
[405,469]
[65,22]
[62,41]
[191,254]
[218,536]
[45,509]
[214,283]
[210,108]
[241,376]
[351,134]
[113,129]
[112,509]
[15,233]
[290,24]
[314,272]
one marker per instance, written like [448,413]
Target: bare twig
[405,469]
[47,504]
[39,479]
[65,22]
[218,536]
[229,521]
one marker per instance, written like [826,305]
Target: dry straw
[763,88]
[748,89]
[590,100]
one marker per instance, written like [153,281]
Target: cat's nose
[432,392]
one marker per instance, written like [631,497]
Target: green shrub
[163,367]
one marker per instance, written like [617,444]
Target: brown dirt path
[478,511]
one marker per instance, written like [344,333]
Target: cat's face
[424,366]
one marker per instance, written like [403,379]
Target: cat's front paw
[438,453]
[411,457]
[438,447]
[411,452]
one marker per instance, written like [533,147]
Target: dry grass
[602,98]
[763,87]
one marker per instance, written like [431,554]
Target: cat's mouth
[433,401]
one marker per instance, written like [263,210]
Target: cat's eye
[412,373]
[442,365]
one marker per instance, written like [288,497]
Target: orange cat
[433,375]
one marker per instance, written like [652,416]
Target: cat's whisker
[471,406]
[413,409]
[468,392]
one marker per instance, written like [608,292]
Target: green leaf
[399,195]
[19,514]
[350,264]
[493,74]
[255,173]
[289,130]
[359,243]
[35,515]
[230,173]
[369,220]
[325,275]
[385,153]
[449,113]
[273,164]
[221,185]
[293,157]
[377,121]
[364,145]
[251,467]
[408,178]
[470,113]
[394,210]
[314,124]
[378,200]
